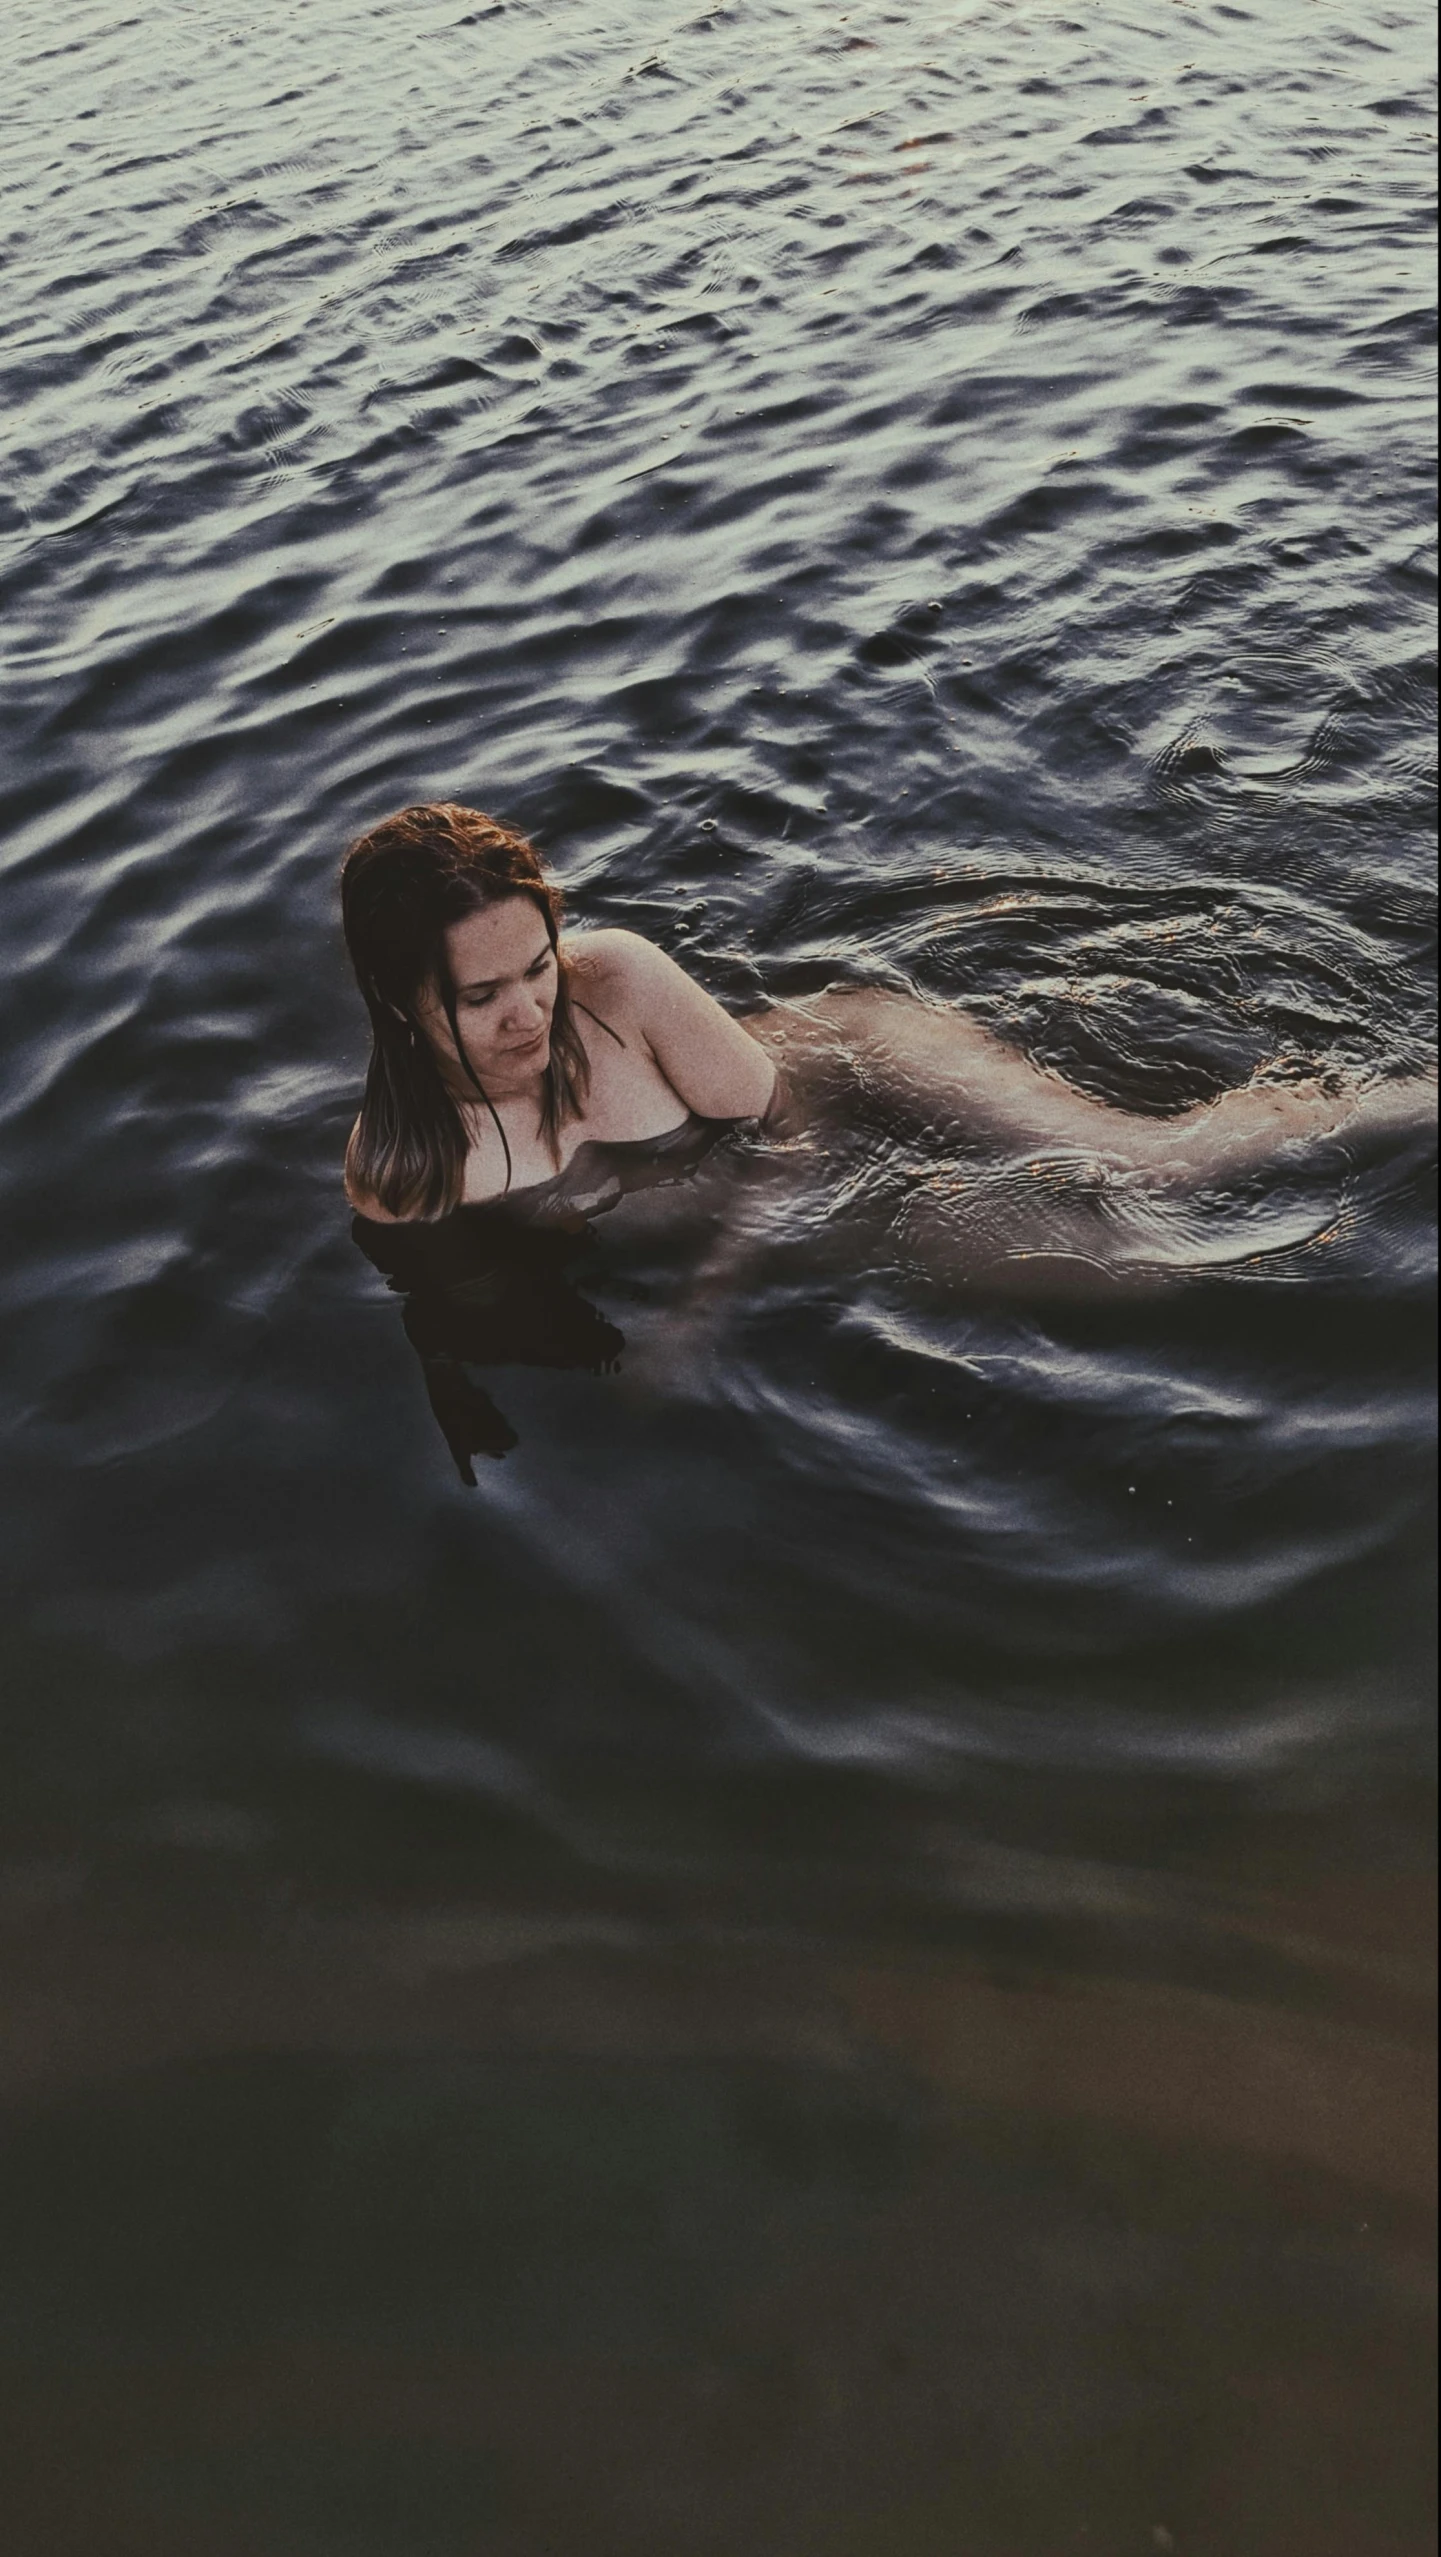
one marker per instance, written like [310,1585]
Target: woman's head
[453,931]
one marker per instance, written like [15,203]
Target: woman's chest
[628,1099]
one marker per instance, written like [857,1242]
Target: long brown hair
[401,885]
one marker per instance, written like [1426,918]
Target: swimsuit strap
[595,1017]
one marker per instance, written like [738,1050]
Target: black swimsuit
[490,1283]
[603,1171]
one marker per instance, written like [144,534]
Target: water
[833,1958]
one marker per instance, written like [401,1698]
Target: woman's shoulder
[626,977]
[611,959]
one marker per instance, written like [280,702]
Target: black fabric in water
[492,1284]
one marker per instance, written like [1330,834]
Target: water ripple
[885,502]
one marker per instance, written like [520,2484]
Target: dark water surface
[833,1961]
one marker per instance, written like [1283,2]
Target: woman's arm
[715,1066]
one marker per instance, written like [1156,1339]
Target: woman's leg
[902,1052]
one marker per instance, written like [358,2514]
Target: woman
[501,1052]
[512,1065]
[521,1082]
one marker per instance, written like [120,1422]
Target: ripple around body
[880,513]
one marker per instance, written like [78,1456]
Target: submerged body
[657,1049]
[523,1082]
[663,1056]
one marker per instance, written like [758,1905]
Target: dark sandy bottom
[467,2231]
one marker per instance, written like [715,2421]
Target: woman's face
[504,973]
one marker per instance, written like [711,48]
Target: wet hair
[401,886]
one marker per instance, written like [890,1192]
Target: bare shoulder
[709,1060]
[628,980]
[615,962]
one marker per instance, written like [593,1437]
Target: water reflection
[494,1285]
[485,1293]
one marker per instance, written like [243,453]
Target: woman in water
[522,1081]
[510,1062]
